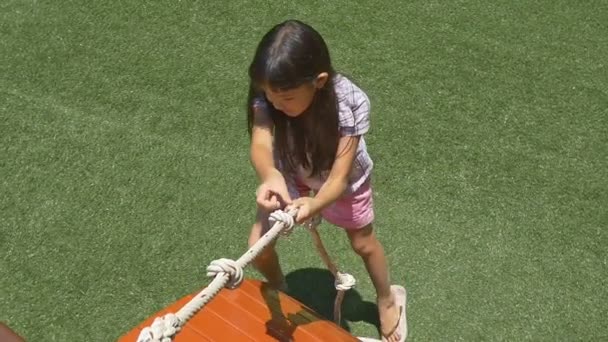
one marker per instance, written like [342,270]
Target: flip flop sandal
[401,300]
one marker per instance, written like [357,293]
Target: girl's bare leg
[365,243]
[267,263]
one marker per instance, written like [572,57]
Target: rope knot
[161,330]
[344,281]
[283,217]
[228,266]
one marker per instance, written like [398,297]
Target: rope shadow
[314,287]
[279,326]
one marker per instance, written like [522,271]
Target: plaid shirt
[354,112]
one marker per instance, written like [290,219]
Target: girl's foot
[392,316]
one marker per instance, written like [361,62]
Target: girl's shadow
[314,287]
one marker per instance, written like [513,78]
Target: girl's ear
[321,80]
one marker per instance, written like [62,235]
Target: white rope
[344,281]
[226,273]
[286,218]
[228,266]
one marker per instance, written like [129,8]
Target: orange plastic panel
[252,312]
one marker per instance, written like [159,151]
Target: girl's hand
[272,194]
[307,208]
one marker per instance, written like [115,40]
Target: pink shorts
[350,211]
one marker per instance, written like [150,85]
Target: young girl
[307,124]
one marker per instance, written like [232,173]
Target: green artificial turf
[124,162]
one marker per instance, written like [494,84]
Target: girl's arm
[272,193]
[337,180]
[261,145]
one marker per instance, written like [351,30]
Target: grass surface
[124,161]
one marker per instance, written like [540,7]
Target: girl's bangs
[279,75]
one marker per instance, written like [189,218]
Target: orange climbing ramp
[252,312]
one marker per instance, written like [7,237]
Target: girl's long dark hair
[290,55]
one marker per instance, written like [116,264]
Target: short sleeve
[354,108]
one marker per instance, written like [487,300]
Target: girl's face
[294,102]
